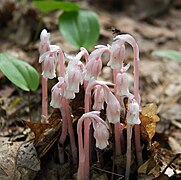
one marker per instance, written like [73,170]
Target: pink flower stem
[117,127]
[71,131]
[44,98]
[62,61]
[83,174]
[128,151]
[87,105]
[81,151]
[67,120]
[136,94]
[87,135]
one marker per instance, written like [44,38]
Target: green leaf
[47,6]
[19,72]
[80,28]
[170,54]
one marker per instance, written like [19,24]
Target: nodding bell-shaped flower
[113,108]
[122,84]
[101,134]
[117,55]
[44,42]
[98,98]
[57,93]
[94,64]
[50,60]
[121,39]
[74,74]
[133,113]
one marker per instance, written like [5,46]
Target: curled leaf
[148,119]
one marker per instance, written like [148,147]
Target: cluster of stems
[76,74]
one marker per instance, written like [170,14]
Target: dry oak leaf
[46,134]
[148,119]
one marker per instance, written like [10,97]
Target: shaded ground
[160,79]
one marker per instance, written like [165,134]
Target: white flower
[117,55]
[49,60]
[130,40]
[122,84]
[74,74]
[57,94]
[94,64]
[133,113]
[113,108]
[101,134]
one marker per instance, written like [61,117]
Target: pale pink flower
[122,84]
[57,94]
[101,134]
[98,98]
[121,39]
[117,55]
[94,64]
[50,60]
[74,74]
[113,108]
[118,50]
[44,42]
[133,113]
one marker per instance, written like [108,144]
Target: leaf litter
[160,83]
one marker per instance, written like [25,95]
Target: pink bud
[113,108]
[57,94]
[44,42]
[74,76]
[122,84]
[101,134]
[94,65]
[133,113]
[98,98]
[130,40]
[117,55]
[50,61]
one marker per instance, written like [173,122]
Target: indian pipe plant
[74,73]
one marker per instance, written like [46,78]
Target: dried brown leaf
[46,133]
[148,119]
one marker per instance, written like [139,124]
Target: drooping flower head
[58,93]
[101,134]
[120,40]
[122,84]
[74,74]
[94,64]
[113,105]
[117,55]
[50,59]
[133,113]
[113,108]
